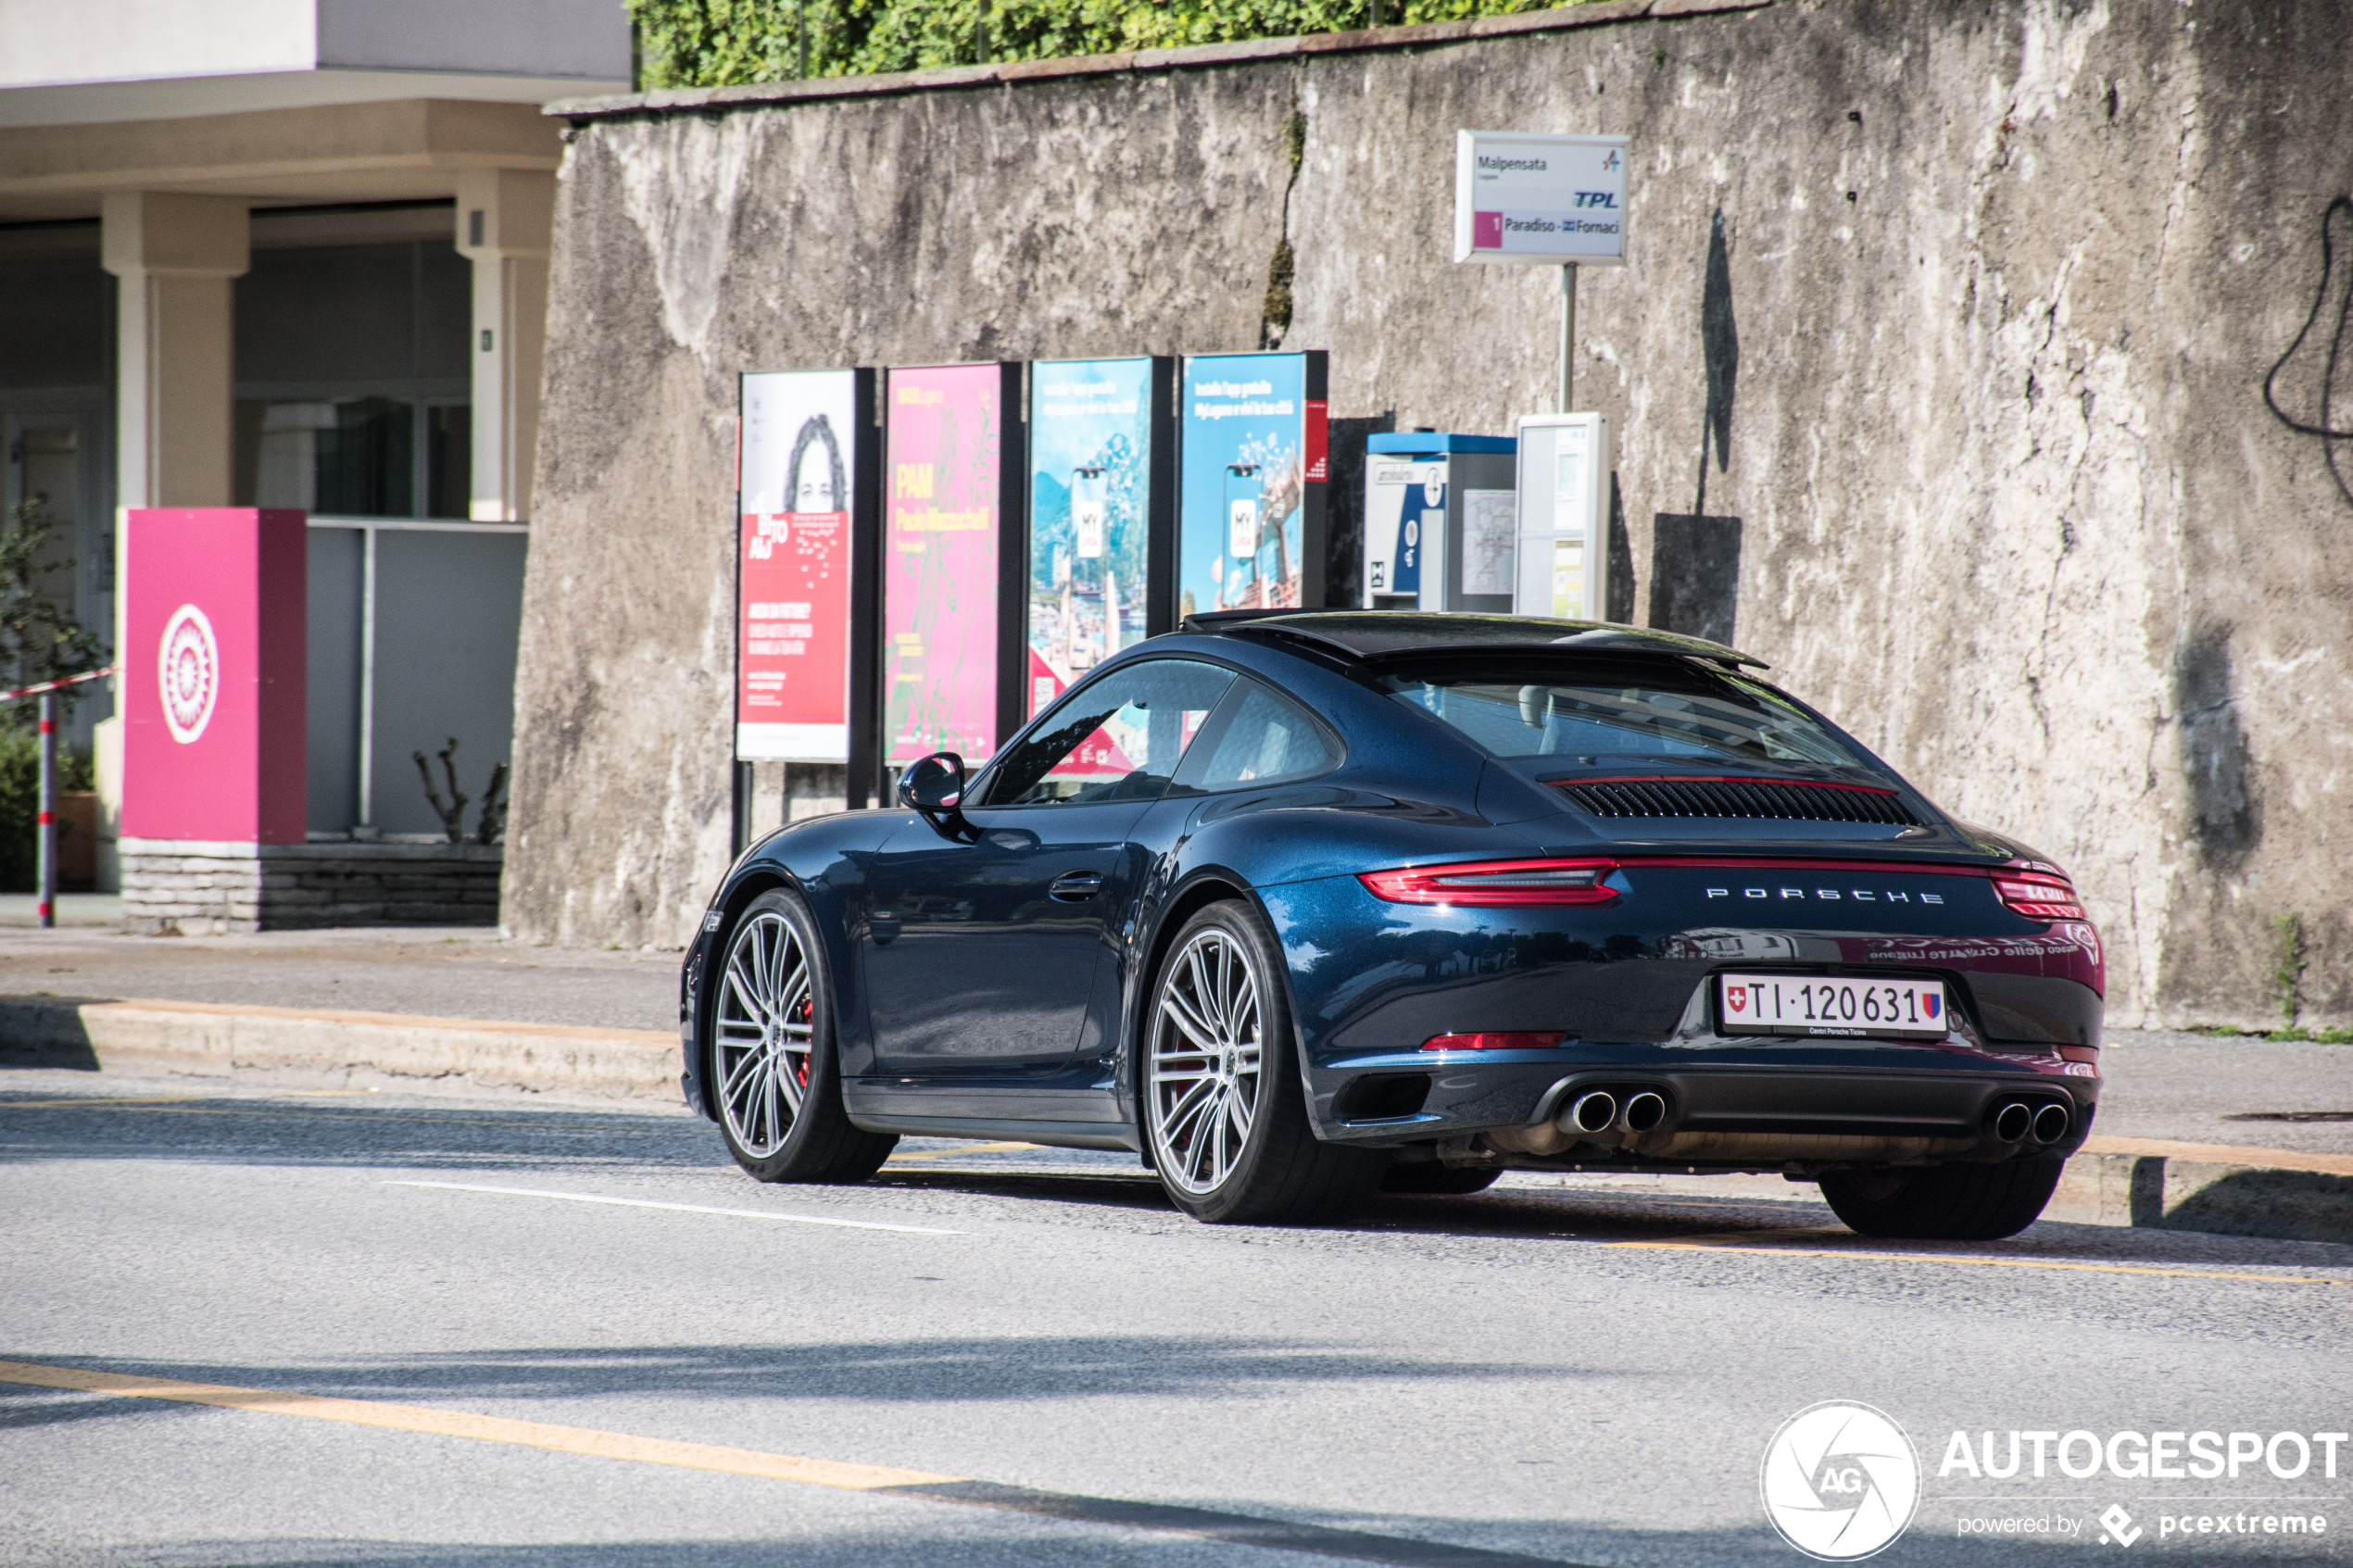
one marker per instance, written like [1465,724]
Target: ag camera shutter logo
[1840,1481]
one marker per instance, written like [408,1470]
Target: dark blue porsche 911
[1303,905]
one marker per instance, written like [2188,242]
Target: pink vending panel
[216,637]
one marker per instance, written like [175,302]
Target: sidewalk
[2244,1137]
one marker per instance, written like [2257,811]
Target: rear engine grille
[1739,797]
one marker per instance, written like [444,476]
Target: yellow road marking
[99,1101]
[2225,1154]
[959,1153]
[480,1428]
[1704,1244]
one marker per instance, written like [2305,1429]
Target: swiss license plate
[1830,1004]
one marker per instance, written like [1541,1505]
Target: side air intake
[1739,797]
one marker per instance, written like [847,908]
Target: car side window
[1267,739]
[1118,738]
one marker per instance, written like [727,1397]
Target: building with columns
[292,253]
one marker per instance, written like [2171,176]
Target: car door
[983,934]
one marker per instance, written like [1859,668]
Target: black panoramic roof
[1367,635]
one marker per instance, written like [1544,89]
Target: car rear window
[1651,708]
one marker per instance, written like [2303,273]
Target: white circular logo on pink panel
[191,672]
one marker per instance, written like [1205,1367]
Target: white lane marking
[682,1208]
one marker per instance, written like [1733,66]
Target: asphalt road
[1001,1355]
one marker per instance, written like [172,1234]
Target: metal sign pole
[48,869]
[1568,334]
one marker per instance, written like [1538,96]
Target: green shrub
[21,802]
[726,42]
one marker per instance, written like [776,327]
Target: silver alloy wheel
[1206,1057]
[766,1028]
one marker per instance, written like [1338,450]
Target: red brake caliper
[802,1014]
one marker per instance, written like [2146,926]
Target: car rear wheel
[1944,1202]
[773,1070]
[1429,1178]
[1224,1103]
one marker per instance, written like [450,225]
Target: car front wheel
[773,1070]
[1224,1103]
[1944,1202]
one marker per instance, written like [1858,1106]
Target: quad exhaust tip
[1594,1112]
[2017,1122]
[1642,1112]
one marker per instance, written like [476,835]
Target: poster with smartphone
[795,566]
[1252,496]
[1099,501]
[950,576]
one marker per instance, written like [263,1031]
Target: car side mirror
[935,787]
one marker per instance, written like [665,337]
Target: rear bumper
[1861,1101]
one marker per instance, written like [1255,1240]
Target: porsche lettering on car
[1301,906]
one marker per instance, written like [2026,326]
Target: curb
[213,1039]
[2218,1189]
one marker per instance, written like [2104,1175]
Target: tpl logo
[1596,198]
[1831,895]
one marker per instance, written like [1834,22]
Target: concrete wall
[1939,373]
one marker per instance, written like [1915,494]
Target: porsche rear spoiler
[1370,636]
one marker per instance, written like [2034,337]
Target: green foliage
[2288,965]
[39,639]
[21,802]
[726,42]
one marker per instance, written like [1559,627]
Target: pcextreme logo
[1840,1481]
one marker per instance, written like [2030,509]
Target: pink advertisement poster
[942,449]
[213,675]
[792,694]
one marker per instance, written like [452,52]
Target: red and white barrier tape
[57,685]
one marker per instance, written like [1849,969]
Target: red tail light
[1495,1040]
[1494,884]
[2038,895]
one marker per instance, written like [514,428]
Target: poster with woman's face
[942,439]
[1090,425]
[792,694]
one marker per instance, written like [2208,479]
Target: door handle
[1075,887]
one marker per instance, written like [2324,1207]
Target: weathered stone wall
[1938,374]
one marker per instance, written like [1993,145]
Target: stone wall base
[187,887]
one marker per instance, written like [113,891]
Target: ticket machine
[1438,522]
[1563,529]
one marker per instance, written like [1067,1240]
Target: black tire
[1282,1174]
[1944,1202]
[789,1126]
[1431,1179]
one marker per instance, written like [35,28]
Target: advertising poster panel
[1251,510]
[948,458]
[1096,500]
[795,566]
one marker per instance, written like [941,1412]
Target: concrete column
[506,221]
[176,390]
[175,256]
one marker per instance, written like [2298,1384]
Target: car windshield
[1651,708]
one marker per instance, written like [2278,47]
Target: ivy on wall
[726,42]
